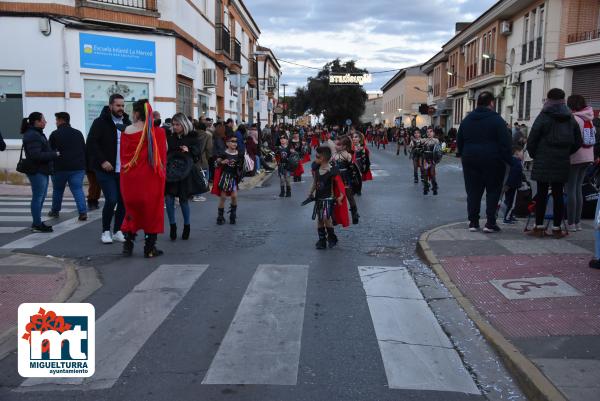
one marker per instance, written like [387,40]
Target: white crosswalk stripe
[4,210]
[124,329]
[262,345]
[409,335]
[380,173]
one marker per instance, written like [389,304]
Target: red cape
[142,189]
[340,212]
[299,170]
[314,142]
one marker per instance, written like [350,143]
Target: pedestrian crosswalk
[263,343]
[15,216]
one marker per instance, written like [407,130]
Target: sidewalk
[535,300]
[30,278]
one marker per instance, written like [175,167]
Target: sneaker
[513,219]
[118,237]
[508,222]
[53,214]
[473,227]
[579,228]
[558,233]
[83,217]
[538,232]
[594,264]
[107,238]
[41,228]
[572,228]
[199,198]
[491,228]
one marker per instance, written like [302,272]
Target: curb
[532,381]
[74,281]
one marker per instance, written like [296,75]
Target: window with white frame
[11,106]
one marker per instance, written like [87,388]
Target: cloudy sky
[379,34]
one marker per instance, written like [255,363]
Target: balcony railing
[253,66]
[149,5]
[236,49]
[223,39]
[583,36]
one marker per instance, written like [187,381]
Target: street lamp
[493,58]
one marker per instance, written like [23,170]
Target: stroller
[549,215]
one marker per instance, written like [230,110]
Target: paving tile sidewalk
[29,278]
[539,296]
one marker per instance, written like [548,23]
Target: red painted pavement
[530,317]
[16,289]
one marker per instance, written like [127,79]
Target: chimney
[460,26]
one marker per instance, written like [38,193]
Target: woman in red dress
[143,157]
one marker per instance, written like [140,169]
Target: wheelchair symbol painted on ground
[534,287]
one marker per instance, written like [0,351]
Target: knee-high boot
[150,250]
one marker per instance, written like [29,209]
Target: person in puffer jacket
[580,160]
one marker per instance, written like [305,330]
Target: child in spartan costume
[343,160]
[431,156]
[329,195]
[282,155]
[314,138]
[416,154]
[306,150]
[362,156]
[297,147]
[228,174]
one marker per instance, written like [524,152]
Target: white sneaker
[118,237]
[579,228]
[199,198]
[572,228]
[107,238]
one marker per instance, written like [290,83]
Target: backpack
[589,134]
[561,134]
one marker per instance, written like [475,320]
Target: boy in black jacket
[513,183]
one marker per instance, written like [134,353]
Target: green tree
[337,103]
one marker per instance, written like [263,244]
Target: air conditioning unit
[462,49]
[505,28]
[210,77]
[498,91]
[515,78]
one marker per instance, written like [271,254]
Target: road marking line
[380,173]
[11,230]
[33,240]
[27,203]
[262,344]
[13,219]
[416,353]
[28,198]
[28,210]
[124,329]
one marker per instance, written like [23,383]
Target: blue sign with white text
[120,54]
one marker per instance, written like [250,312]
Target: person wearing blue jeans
[39,189]
[110,184]
[185,209]
[75,181]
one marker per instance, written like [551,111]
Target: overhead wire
[317,68]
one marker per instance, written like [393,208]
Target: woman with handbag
[183,152]
[37,165]
[143,155]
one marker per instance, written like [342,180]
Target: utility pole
[285,105]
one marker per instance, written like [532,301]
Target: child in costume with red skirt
[362,156]
[143,154]
[329,195]
[297,147]
[228,175]
[314,139]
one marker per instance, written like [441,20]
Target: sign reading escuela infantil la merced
[349,79]
[120,54]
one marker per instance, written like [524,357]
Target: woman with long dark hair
[38,166]
[143,157]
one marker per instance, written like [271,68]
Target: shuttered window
[587,84]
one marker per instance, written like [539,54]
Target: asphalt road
[261,315]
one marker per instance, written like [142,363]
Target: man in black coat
[103,147]
[69,167]
[2,143]
[484,144]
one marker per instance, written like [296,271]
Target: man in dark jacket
[484,144]
[554,137]
[2,143]
[103,147]
[69,167]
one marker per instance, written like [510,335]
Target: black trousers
[483,176]
[541,201]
